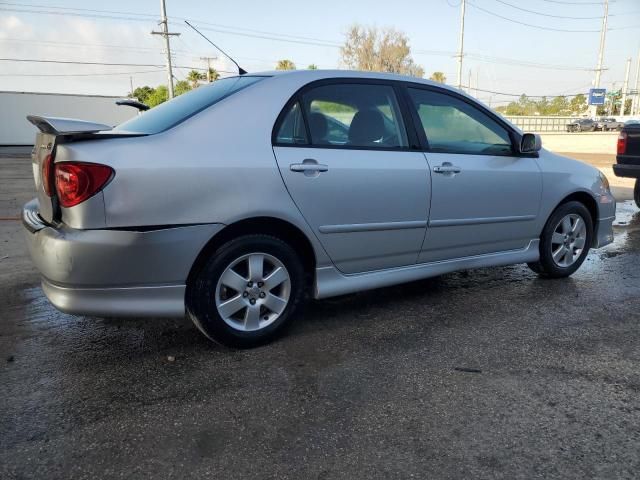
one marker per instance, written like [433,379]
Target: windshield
[171,113]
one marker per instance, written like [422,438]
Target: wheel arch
[266,225]
[586,199]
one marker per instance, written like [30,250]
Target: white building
[15,106]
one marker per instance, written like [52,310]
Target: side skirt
[331,282]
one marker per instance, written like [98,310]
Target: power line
[90,45]
[78,9]
[530,24]
[546,14]
[100,74]
[572,3]
[73,62]
[520,94]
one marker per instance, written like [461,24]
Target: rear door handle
[308,167]
[446,168]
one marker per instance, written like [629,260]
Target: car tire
[605,128]
[636,193]
[244,319]
[561,253]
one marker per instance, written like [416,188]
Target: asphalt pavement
[488,373]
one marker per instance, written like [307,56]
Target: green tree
[182,86]
[559,106]
[578,104]
[313,66]
[142,93]
[159,95]
[194,77]
[438,77]
[379,50]
[285,65]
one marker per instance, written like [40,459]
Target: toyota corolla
[234,202]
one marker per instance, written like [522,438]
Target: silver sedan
[234,202]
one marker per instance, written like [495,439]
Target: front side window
[454,126]
[354,115]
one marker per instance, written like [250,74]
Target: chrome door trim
[372,227]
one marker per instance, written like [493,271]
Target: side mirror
[530,143]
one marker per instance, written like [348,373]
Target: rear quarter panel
[216,167]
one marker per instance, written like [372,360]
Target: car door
[485,197]
[343,151]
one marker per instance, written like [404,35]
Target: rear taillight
[47,175]
[75,182]
[622,143]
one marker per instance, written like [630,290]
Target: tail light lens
[622,143]
[76,182]
[47,175]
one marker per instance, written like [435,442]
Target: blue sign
[597,96]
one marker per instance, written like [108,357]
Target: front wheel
[565,241]
[636,192]
[247,292]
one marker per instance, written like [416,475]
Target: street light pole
[636,99]
[461,43]
[625,86]
[603,34]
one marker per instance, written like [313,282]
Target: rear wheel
[565,241]
[247,292]
[636,192]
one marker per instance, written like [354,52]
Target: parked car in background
[235,201]
[628,156]
[582,125]
[606,124]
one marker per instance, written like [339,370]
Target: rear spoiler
[69,129]
[66,126]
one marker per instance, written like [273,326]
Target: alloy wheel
[568,240]
[253,292]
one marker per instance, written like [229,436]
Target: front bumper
[114,272]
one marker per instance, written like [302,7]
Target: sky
[258,33]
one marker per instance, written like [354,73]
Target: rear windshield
[168,114]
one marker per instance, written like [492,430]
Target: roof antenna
[241,70]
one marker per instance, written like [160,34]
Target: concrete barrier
[591,142]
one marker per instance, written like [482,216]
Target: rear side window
[454,126]
[171,113]
[292,129]
[354,115]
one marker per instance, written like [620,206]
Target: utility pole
[131,84]
[477,72]
[469,83]
[461,43]
[625,85]
[636,99]
[208,60]
[165,33]
[603,34]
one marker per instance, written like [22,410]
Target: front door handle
[309,167]
[446,167]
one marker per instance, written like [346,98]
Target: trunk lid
[53,132]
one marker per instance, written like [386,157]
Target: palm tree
[194,77]
[285,65]
[212,75]
[438,77]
